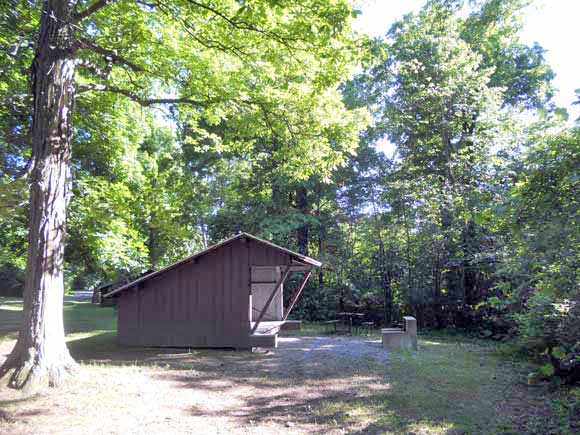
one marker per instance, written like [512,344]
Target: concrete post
[411,330]
[406,338]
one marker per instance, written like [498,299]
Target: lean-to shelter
[228,295]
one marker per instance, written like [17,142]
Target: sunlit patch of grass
[448,386]
[447,382]
[452,384]
[85,317]
[105,334]
[87,326]
[428,342]
[309,329]
[10,304]
[78,316]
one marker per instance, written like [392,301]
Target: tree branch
[146,102]
[110,54]
[102,73]
[99,4]
[207,42]
[243,25]
[171,10]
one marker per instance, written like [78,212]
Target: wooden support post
[270,299]
[297,294]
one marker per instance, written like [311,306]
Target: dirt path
[282,391]
[309,385]
[309,348]
[323,356]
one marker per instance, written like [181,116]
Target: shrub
[550,330]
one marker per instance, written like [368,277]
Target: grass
[82,320]
[457,384]
[78,316]
[453,385]
[441,388]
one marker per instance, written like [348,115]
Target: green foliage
[552,332]
[544,207]
[194,120]
[519,70]
[169,97]
[538,323]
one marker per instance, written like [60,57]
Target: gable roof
[295,255]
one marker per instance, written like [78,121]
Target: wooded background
[472,223]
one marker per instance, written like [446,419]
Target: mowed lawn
[313,383]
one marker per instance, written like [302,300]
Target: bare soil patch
[142,391]
[311,384]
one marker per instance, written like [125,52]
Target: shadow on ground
[319,384]
[313,384]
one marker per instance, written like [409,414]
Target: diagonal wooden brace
[297,294]
[270,299]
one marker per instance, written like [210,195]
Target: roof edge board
[295,256]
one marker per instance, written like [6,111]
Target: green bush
[550,330]
[12,279]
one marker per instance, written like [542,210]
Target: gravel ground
[319,351]
[279,391]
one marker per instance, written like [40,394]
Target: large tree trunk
[40,356]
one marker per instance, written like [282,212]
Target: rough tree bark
[40,356]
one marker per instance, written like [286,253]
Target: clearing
[311,384]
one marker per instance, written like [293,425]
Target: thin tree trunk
[321,236]
[40,356]
[303,230]
[321,258]
[471,292]
[152,237]
[152,246]
[385,283]
[408,251]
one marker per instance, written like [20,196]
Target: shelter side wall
[128,318]
[201,303]
[198,304]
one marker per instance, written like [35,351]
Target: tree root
[31,373]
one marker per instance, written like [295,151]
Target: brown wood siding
[201,303]
[263,255]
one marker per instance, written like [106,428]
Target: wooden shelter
[229,295]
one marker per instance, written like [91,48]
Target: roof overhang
[298,260]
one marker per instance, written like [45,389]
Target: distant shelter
[229,295]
